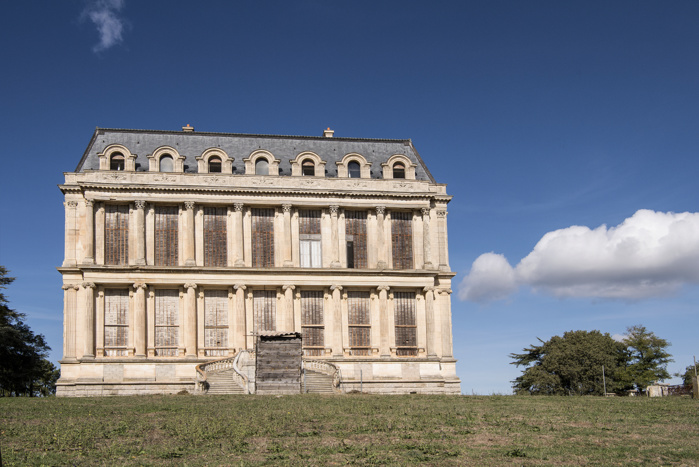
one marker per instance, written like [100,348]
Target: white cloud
[491,278]
[649,254]
[104,15]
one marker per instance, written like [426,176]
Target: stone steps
[318,383]
[222,382]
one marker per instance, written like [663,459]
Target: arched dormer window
[214,164]
[308,168]
[116,161]
[261,166]
[398,170]
[167,164]
[399,166]
[354,170]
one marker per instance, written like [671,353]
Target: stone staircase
[223,382]
[317,383]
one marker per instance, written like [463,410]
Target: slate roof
[240,146]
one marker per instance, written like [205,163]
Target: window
[215,237]
[166,230]
[309,238]
[402,240]
[398,170]
[355,235]
[406,325]
[216,323]
[354,169]
[116,234]
[359,320]
[262,238]
[312,328]
[214,164]
[261,166]
[116,322]
[167,326]
[116,161]
[308,168]
[264,307]
[166,163]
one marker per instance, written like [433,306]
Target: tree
[24,369]
[648,358]
[689,373]
[571,365]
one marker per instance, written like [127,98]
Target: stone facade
[181,247]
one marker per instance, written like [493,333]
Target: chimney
[188,128]
[328,133]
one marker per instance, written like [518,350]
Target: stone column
[99,323]
[190,324]
[334,236]
[384,348]
[238,234]
[139,319]
[344,325]
[249,320]
[443,243]
[150,235]
[391,324]
[429,321]
[231,322]
[70,238]
[150,322]
[99,234]
[70,319]
[380,234]
[297,312]
[201,337]
[89,233]
[89,349]
[286,208]
[240,319]
[140,232]
[337,321]
[446,323]
[288,307]
[426,242]
[188,231]
[199,235]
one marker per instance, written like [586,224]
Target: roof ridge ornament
[328,133]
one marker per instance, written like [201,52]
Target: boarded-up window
[355,233]
[166,227]
[309,238]
[264,310]
[402,240]
[116,322]
[167,322]
[262,238]
[359,320]
[406,324]
[116,234]
[215,251]
[312,328]
[216,323]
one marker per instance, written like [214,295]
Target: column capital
[89,285]
[70,286]
[380,210]
[441,213]
[190,285]
[445,291]
[140,204]
[425,211]
[334,208]
[428,289]
[335,287]
[382,288]
[89,203]
[189,205]
[286,207]
[139,285]
[286,287]
[239,287]
[238,207]
[71,204]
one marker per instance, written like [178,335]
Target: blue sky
[539,115]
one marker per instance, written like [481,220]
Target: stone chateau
[186,250]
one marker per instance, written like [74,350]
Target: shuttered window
[167,322]
[262,238]
[215,251]
[402,240]
[216,323]
[406,324]
[312,328]
[166,227]
[355,233]
[116,234]
[359,320]
[309,238]
[116,322]
[264,310]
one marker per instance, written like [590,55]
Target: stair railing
[325,368]
[201,385]
[241,378]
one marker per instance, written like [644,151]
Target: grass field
[351,429]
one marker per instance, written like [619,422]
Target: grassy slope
[354,429]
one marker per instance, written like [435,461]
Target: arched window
[308,168]
[354,169]
[261,166]
[116,162]
[398,170]
[214,164]
[166,163]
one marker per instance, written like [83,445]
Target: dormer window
[214,164]
[116,162]
[308,168]
[167,164]
[398,170]
[354,170]
[261,166]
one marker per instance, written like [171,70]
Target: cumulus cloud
[649,254]
[110,26]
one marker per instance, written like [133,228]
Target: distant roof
[239,146]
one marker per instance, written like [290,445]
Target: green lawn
[349,429]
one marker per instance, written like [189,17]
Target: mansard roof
[239,146]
